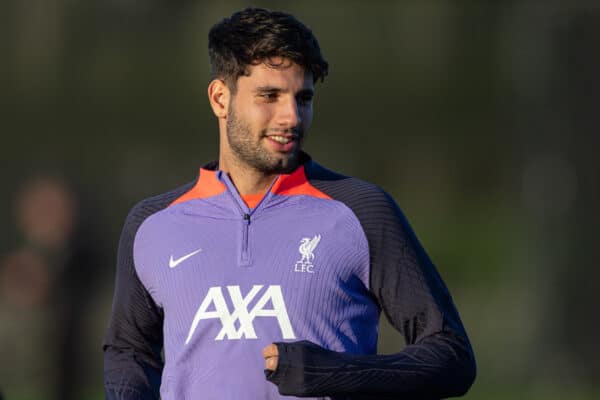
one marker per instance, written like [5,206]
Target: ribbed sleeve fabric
[133,342]
[438,361]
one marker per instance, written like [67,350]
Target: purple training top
[211,282]
[232,280]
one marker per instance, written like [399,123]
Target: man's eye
[268,96]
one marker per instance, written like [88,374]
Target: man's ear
[218,96]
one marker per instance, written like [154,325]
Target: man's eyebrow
[268,89]
[275,89]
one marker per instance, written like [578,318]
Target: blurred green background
[478,117]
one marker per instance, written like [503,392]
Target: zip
[244,255]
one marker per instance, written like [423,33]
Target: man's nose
[289,114]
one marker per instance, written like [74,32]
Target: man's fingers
[271,363]
[271,356]
[270,351]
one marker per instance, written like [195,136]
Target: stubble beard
[248,150]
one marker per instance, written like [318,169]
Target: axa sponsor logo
[242,314]
[306,249]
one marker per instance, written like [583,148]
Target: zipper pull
[247,218]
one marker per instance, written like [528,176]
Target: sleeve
[133,342]
[438,361]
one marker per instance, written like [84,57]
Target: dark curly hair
[255,35]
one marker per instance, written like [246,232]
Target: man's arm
[133,342]
[438,360]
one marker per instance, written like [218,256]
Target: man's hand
[302,369]
[271,356]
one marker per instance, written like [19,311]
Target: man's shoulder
[163,200]
[153,204]
[352,191]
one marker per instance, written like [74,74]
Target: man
[269,255]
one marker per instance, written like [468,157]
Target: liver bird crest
[307,246]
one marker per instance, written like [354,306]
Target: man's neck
[251,182]
[247,180]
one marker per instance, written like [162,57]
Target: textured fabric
[309,267]
[133,342]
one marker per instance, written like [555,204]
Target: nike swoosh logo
[173,263]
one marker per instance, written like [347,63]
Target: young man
[270,261]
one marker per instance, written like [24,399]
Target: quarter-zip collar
[237,198]
[213,182]
[246,213]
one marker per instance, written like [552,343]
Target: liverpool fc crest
[307,246]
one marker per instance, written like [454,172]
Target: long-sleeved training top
[211,282]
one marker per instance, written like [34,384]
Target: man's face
[268,116]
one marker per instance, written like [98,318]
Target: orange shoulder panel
[296,184]
[208,185]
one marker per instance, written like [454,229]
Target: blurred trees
[480,119]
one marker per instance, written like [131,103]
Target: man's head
[264,65]
[254,36]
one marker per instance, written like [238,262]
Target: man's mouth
[284,136]
[282,139]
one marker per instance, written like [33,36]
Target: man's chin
[289,163]
[284,164]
